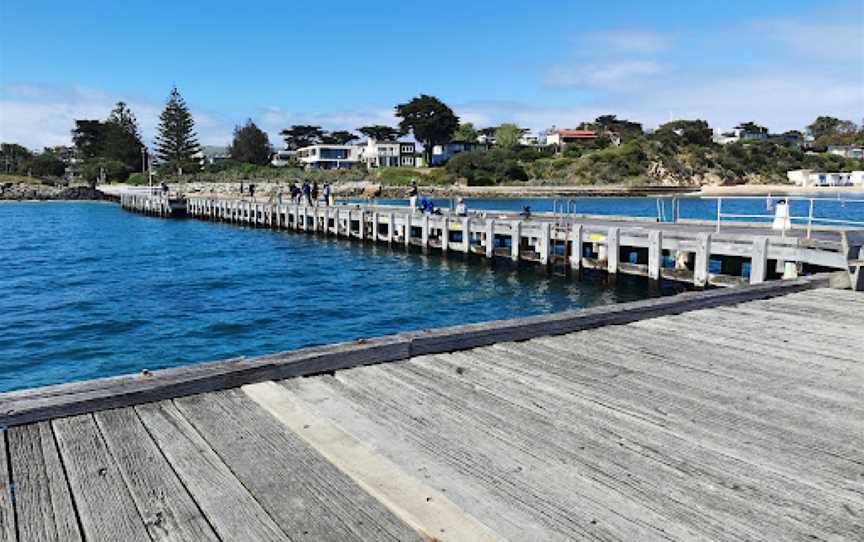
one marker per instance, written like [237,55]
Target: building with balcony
[379,154]
[329,156]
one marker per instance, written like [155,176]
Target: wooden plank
[7,510]
[43,502]
[105,507]
[424,508]
[273,463]
[655,254]
[67,399]
[169,512]
[229,507]
[759,260]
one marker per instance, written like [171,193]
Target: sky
[343,64]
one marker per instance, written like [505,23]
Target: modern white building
[329,156]
[378,154]
[809,178]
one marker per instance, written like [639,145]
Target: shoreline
[361,189]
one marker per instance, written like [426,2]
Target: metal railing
[809,220]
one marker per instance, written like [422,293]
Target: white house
[329,156]
[807,178]
[283,157]
[377,154]
[211,154]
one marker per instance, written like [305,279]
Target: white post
[515,240]
[612,251]
[655,254]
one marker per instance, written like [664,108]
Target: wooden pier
[686,251]
[727,414]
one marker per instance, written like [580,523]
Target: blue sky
[345,64]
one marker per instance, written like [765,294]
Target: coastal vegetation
[618,152]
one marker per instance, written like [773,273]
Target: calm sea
[89,290]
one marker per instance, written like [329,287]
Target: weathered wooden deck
[740,421]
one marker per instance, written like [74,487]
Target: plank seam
[66,479]
[228,467]
[176,474]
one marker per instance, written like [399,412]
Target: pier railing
[809,220]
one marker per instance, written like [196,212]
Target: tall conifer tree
[176,141]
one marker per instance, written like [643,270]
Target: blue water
[837,206]
[89,290]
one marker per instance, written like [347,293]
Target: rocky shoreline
[43,192]
[368,189]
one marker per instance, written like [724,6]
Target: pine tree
[176,142]
[123,117]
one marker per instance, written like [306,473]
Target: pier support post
[759,260]
[445,235]
[391,228]
[466,235]
[425,235]
[375,227]
[576,250]
[655,254]
[703,256]
[407,230]
[545,241]
[612,251]
[361,225]
[490,238]
[515,240]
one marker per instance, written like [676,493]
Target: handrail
[809,220]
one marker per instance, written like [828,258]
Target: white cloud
[838,41]
[607,75]
[43,115]
[639,42]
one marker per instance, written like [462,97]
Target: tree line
[113,148]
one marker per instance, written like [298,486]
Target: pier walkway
[734,414]
[688,251]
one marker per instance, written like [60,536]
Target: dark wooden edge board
[37,404]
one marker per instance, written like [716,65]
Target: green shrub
[138,179]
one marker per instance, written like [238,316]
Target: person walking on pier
[327,192]
[315,193]
[461,208]
[412,195]
[307,193]
[252,191]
